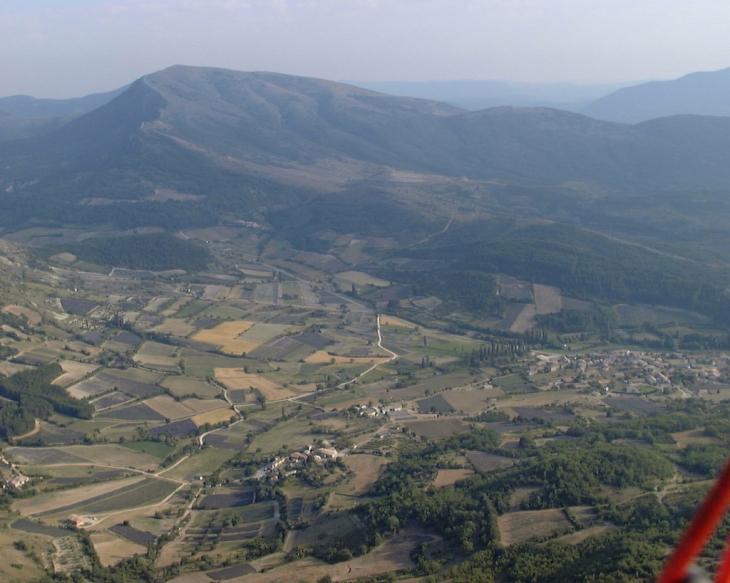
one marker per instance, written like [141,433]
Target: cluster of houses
[629,368]
[18,481]
[288,465]
[373,410]
[12,475]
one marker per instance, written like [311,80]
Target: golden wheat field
[393,321]
[321,356]
[236,378]
[225,335]
[213,417]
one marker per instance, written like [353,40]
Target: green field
[202,463]
[224,312]
[251,513]
[295,434]
[158,349]
[155,448]
[203,364]
[337,398]
[147,492]
[261,333]
[508,381]
[183,386]
[137,374]
[437,428]
[192,309]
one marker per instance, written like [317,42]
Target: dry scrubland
[367,470]
[360,278]
[515,527]
[547,299]
[16,565]
[450,477]
[113,549]
[74,371]
[397,322]
[32,316]
[391,556]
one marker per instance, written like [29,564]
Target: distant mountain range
[701,93]
[475,95]
[23,116]
[27,106]
[697,93]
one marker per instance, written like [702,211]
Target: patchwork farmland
[251,422]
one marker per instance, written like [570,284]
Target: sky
[69,48]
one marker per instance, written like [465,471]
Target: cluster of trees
[657,428]
[583,264]
[677,341]
[620,556]
[567,321]
[497,353]
[470,289]
[575,477]
[576,472]
[155,252]
[33,391]
[363,210]
[705,459]
[15,420]
[7,352]
[17,322]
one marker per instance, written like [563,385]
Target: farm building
[75,520]
[18,482]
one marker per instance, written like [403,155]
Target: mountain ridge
[474,95]
[698,93]
[202,130]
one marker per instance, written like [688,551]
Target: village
[632,372]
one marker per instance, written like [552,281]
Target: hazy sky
[65,48]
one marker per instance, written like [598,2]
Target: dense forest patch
[156,252]
[583,264]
